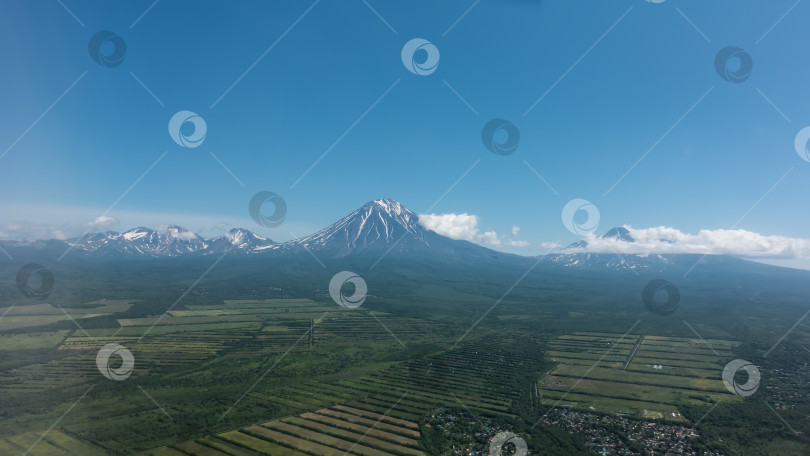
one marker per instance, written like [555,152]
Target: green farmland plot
[662,374]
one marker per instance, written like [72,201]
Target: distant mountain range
[171,241]
[379,228]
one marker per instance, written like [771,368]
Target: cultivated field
[54,443]
[375,415]
[361,384]
[638,375]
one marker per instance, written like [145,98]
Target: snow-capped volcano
[577,255]
[381,226]
[620,233]
[378,224]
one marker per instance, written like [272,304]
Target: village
[619,435]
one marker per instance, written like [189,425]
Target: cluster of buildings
[619,435]
[465,433]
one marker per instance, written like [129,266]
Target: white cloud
[25,231]
[221,228]
[454,226]
[32,230]
[185,235]
[101,223]
[465,227]
[667,240]
[175,233]
[514,243]
[489,237]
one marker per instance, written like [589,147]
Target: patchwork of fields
[31,316]
[54,443]
[333,431]
[347,397]
[363,394]
[375,415]
[185,337]
[635,375]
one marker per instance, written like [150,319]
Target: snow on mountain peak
[235,236]
[244,237]
[392,207]
[172,240]
[378,223]
[619,233]
[136,233]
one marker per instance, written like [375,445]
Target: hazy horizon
[647,130]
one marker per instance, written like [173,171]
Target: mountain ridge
[379,228]
[382,226]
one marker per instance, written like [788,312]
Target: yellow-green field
[30,316]
[334,431]
[53,443]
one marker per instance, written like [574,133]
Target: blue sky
[617,77]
